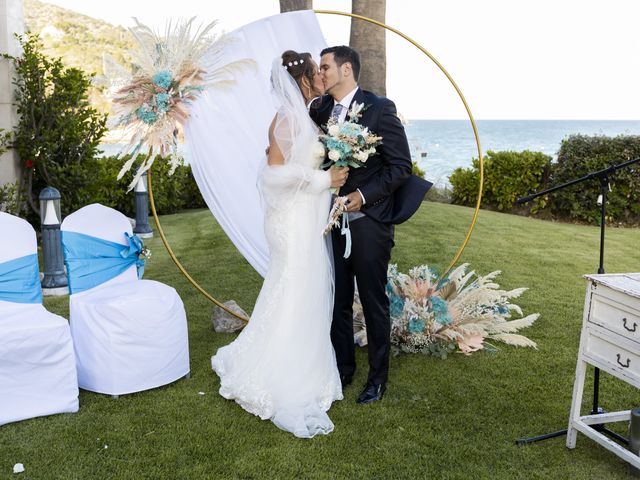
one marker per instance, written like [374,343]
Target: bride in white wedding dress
[282,366]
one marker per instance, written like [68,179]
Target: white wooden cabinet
[610,341]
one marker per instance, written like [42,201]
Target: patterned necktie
[337,110]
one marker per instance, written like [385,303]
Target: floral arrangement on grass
[460,312]
[172,70]
[348,143]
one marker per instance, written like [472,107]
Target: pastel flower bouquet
[172,70]
[348,143]
[461,312]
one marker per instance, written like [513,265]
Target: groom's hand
[354,201]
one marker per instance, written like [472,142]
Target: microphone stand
[603,178]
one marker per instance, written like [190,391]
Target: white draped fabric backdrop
[227,133]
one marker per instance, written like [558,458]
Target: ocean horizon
[441,146]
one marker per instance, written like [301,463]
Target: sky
[512,59]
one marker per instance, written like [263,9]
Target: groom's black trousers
[372,242]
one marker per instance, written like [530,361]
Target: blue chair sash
[20,280]
[92,261]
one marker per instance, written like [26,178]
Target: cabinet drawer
[614,359]
[615,317]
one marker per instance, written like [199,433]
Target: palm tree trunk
[293,5]
[370,40]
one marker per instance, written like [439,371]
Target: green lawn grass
[453,418]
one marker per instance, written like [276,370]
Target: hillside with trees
[83,42]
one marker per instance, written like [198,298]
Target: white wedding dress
[282,366]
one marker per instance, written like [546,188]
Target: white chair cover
[227,132]
[129,335]
[37,363]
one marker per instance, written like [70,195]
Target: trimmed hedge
[507,176]
[580,155]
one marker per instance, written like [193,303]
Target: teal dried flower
[396,305]
[146,114]
[440,311]
[163,79]
[416,325]
[162,102]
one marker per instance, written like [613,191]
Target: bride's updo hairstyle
[299,66]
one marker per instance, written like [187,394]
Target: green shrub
[465,183]
[9,192]
[507,176]
[58,131]
[580,155]
[171,193]
[510,175]
[416,170]
[9,201]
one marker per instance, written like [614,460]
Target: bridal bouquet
[349,144]
[172,70]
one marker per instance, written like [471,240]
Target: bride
[282,366]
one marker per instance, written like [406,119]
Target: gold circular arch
[475,133]
[466,106]
[175,259]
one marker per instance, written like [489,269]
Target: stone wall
[11,21]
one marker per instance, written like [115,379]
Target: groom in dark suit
[380,194]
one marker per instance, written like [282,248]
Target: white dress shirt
[345,102]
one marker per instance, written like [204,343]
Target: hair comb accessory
[295,62]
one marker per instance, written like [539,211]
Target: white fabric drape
[228,130]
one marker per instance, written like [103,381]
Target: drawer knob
[624,324]
[625,365]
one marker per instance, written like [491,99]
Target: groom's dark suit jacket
[391,193]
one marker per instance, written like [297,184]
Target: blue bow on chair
[92,261]
[135,250]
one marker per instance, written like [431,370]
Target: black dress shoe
[371,393]
[345,380]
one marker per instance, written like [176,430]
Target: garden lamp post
[142,228]
[54,281]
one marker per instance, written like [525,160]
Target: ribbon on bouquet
[346,231]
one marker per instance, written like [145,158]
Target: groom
[380,194]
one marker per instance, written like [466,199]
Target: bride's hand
[338,176]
